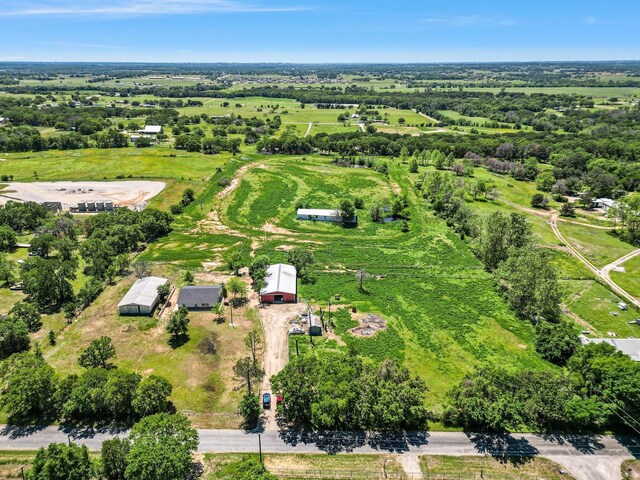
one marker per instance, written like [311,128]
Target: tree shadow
[196,471]
[14,431]
[585,443]
[333,442]
[75,431]
[176,341]
[632,444]
[504,447]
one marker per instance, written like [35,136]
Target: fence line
[325,474]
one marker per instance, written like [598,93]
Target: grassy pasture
[424,277]
[99,164]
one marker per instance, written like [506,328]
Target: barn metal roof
[280,278]
[143,292]
[319,212]
[628,346]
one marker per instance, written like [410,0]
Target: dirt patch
[133,194]
[396,188]
[235,182]
[370,324]
[271,228]
[284,248]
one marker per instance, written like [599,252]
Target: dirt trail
[603,275]
[306,134]
[275,325]
[410,464]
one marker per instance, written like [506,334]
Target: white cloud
[138,7]
[591,20]
[472,21]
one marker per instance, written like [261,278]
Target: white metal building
[142,297]
[628,346]
[318,214]
[151,130]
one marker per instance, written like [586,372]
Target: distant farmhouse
[201,297]
[318,214]
[605,204]
[151,130]
[628,346]
[142,297]
[282,285]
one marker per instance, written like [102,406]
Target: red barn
[282,285]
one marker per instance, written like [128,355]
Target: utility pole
[260,447]
[330,324]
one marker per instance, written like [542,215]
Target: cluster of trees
[600,388]
[188,197]
[160,447]
[335,391]
[101,394]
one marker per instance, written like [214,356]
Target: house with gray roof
[199,297]
[628,346]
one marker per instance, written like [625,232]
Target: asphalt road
[586,457]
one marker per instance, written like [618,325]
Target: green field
[424,278]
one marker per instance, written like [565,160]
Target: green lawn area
[599,308]
[103,164]
[630,278]
[598,246]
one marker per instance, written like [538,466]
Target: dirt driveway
[275,322]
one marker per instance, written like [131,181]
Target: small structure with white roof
[142,297]
[605,204]
[282,284]
[319,214]
[151,130]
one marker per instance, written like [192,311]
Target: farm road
[586,457]
[604,273]
[275,325]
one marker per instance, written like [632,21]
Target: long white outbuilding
[142,297]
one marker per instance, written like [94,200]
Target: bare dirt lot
[276,323]
[133,194]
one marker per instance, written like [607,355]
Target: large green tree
[98,354]
[61,462]
[161,448]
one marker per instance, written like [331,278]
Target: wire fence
[325,474]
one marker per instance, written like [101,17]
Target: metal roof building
[282,284]
[151,130]
[199,297]
[142,297]
[628,346]
[319,214]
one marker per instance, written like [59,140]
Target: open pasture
[421,281]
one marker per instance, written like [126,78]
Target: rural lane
[587,457]
[604,273]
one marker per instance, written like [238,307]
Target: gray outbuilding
[200,297]
[142,297]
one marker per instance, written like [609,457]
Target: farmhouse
[318,214]
[282,285]
[628,346]
[201,297]
[605,204]
[151,130]
[142,297]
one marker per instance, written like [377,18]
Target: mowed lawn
[107,164]
[445,317]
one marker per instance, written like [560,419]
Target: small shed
[315,326]
[142,297]
[282,285]
[52,206]
[200,297]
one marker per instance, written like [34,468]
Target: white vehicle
[296,331]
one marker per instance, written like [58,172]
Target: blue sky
[318,30]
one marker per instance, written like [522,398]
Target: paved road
[586,457]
